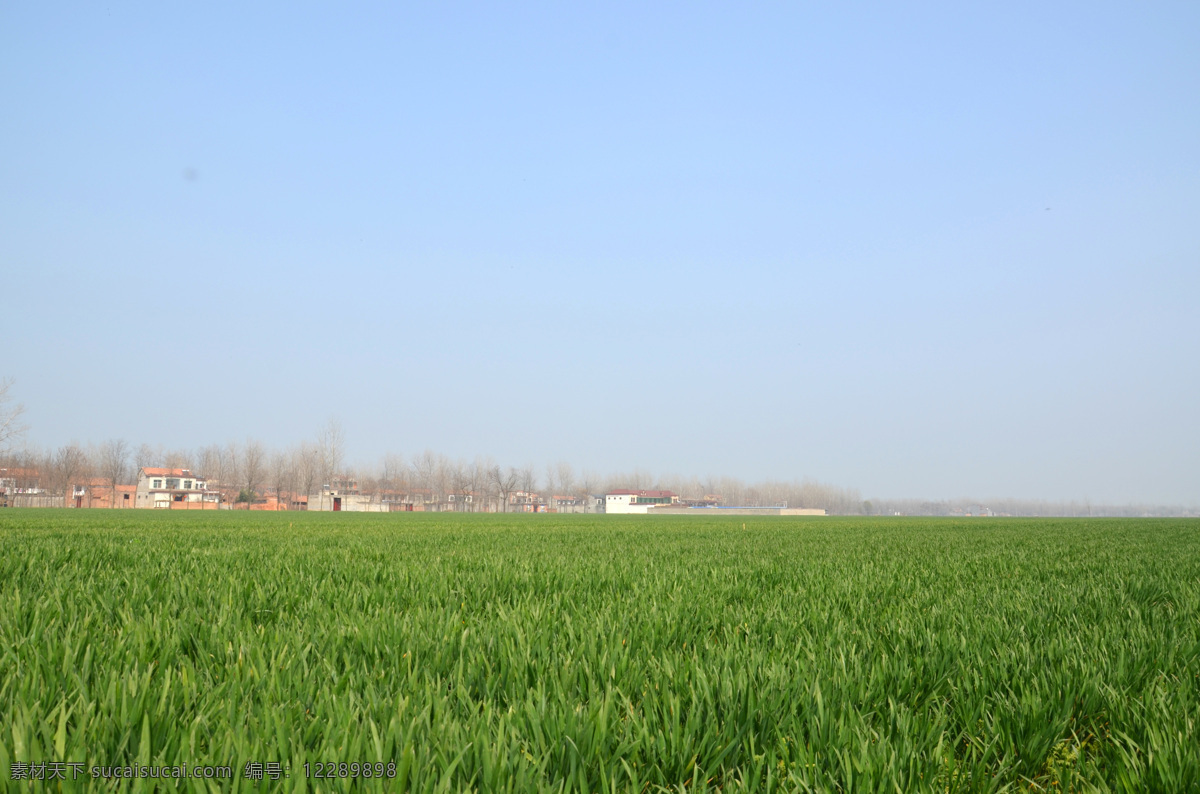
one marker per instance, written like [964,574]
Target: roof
[155,472]
[647,494]
[91,482]
[17,471]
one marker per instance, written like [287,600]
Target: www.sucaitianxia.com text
[73,770]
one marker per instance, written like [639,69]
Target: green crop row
[619,653]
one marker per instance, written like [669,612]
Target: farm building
[526,502]
[566,503]
[20,480]
[341,502]
[626,501]
[174,489]
[98,492]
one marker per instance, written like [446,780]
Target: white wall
[622,503]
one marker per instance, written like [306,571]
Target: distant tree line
[243,470]
[240,469]
[1010,506]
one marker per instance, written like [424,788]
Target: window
[156,483]
[172,483]
[187,485]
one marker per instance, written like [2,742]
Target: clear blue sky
[919,249]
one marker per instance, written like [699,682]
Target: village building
[563,503]
[174,489]
[22,487]
[328,500]
[99,493]
[626,501]
[20,480]
[525,502]
[398,501]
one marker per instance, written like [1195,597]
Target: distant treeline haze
[310,466]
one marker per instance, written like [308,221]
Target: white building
[175,489]
[625,501]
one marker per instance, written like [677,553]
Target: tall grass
[545,653]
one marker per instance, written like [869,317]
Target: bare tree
[214,465]
[68,464]
[146,455]
[177,459]
[527,479]
[475,479]
[332,443]
[283,475]
[482,478]
[394,470]
[254,465]
[589,483]
[565,474]
[441,480]
[306,460]
[425,469]
[460,485]
[114,464]
[11,426]
[234,469]
[506,482]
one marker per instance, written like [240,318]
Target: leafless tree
[441,481]
[332,443]
[506,481]
[460,485]
[11,426]
[565,474]
[146,455]
[640,479]
[114,464]
[526,479]
[477,481]
[283,475]
[177,459]
[589,483]
[211,460]
[487,494]
[426,468]
[393,476]
[234,472]
[254,465]
[306,460]
[68,465]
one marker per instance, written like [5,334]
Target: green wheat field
[605,653]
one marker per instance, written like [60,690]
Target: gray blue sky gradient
[919,249]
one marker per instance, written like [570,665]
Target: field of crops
[622,653]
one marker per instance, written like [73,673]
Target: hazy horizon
[937,252]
